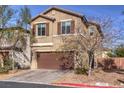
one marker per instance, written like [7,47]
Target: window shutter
[34,30]
[72,27]
[59,28]
[47,29]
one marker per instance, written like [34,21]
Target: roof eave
[63,10]
[42,17]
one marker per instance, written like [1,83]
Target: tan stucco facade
[53,41]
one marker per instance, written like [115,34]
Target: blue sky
[89,10]
[113,11]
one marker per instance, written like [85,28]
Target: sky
[88,10]
[112,11]
[115,12]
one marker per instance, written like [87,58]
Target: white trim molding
[42,44]
[40,22]
[65,20]
[65,35]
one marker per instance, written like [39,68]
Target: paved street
[6,84]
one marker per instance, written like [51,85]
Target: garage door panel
[53,61]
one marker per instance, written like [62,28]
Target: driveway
[41,76]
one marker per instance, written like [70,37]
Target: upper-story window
[41,29]
[91,30]
[65,27]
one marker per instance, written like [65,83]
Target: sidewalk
[84,85]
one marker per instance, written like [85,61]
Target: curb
[84,85]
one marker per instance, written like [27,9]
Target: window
[66,27]
[91,30]
[41,29]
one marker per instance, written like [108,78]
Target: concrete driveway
[41,76]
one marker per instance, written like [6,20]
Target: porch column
[34,60]
[1,62]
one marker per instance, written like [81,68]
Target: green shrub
[4,69]
[110,54]
[9,63]
[81,71]
[119,52]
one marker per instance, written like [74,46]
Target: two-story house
[48,27]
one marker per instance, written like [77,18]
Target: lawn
[112,78]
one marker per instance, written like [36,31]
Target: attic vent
[53,12]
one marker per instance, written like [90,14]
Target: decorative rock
[101,84]
[13,71]
[122,84]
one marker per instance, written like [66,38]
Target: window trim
[91,31]
[40,22]
[37,29]
[67,20]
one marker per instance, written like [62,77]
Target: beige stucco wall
[53,37]
[59,16]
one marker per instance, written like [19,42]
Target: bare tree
[12,37]
[25,17]
[112,35]
[89,42]
[83,42]
[6,13]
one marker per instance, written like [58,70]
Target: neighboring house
[23,58]
[48,27]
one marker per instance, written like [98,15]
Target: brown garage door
[55,60]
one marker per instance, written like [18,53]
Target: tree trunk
[13,67]
[4,56]
[91,57]
[26,27]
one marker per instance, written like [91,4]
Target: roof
[68,12]
[15,28]
[5,51]
[43,16]
[6,48]
[87,23]
[62,10]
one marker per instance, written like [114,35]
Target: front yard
[4,76]
[99,77]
